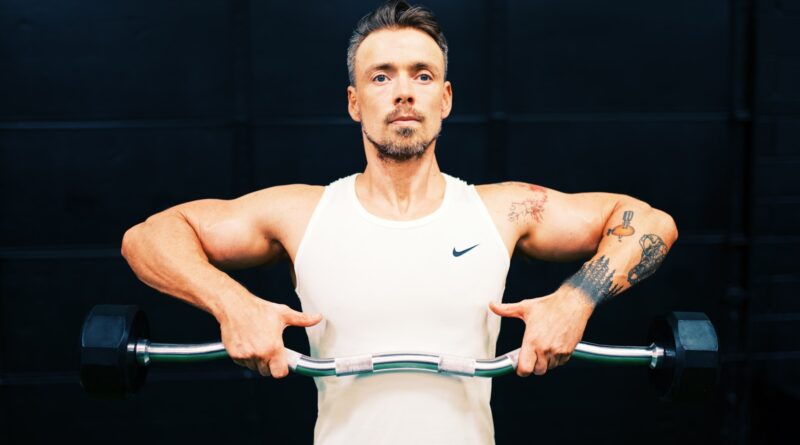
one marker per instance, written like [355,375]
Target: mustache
[403,112]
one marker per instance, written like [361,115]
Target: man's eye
[424,77]
[380,78]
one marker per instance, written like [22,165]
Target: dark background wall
[113,111]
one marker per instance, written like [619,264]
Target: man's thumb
[295,318]
[506,310]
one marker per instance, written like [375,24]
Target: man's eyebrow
[420,66]
[414,66]
[381,67]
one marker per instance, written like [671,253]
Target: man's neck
[401,190]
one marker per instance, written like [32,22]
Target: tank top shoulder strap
[333,191]
[475,200]
[459,188]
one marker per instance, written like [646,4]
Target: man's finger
[278,367]
[294,318]
[263,368]
[525,362]
[508,309]
[540,367]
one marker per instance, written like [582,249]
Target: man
[400,257]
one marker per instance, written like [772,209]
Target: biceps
[229,233]
[571,226]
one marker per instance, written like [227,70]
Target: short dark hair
[394,14]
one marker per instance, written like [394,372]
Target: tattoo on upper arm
[624,229]
[529,208]
[653,252]
[595,280]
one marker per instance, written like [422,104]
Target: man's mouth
[405,118]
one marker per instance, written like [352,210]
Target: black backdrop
[112,111]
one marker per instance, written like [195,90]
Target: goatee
[401,151]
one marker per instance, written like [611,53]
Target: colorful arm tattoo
[624,229]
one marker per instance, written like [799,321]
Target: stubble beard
[404,147]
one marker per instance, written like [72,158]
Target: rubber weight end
[108,368]
[691,364]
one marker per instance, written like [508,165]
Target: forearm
[165,253]
[635,240]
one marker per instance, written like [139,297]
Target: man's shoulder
[504,199]
[503,193]
[296,191]
[284,211]
[291,197]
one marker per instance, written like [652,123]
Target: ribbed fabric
[387,286]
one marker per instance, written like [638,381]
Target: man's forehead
[404,47]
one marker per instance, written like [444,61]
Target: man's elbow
[670,230]
[131,239]
[128,240]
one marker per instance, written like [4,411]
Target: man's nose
[403,91]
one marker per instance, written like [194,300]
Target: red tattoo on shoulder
[531,207]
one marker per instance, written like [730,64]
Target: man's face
[400,96]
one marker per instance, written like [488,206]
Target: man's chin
[399,154]
[401,146]
[404,133]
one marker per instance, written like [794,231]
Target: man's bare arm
[177,252]
[636,239]
[626,238]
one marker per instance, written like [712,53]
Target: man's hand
[252,333]
[554,325]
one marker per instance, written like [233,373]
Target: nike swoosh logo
[456,253]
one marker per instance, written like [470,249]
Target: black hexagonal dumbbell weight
[691,360]
[115,350]
[108,358]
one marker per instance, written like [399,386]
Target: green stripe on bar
[612,360]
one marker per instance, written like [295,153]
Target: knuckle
[266,350]
[274,349]
[240,354]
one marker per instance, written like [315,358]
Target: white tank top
[390,286]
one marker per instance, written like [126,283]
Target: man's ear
[447,99]
[352,104]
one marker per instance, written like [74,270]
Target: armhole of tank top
[323,200]
[488,219]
